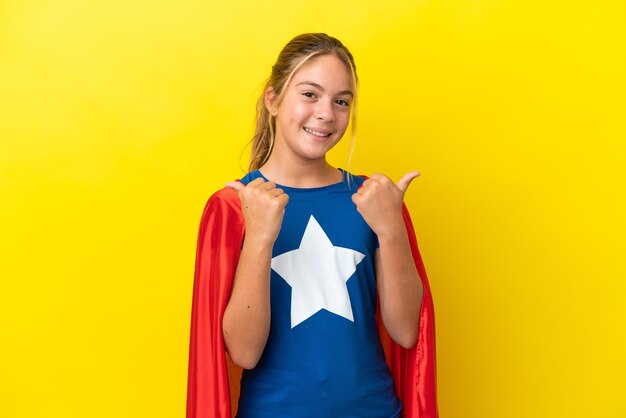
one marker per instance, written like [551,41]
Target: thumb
[404,182]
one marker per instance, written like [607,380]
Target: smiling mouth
[317,133]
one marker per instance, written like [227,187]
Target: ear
[270,99]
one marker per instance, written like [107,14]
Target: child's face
[317,98]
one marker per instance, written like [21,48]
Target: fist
[263,207]
[379,201]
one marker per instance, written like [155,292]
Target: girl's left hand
[379,201]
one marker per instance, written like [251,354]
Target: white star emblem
[317,273]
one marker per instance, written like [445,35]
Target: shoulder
[356,179]
[227,198]
[222,216]
[223,201]
[251,175]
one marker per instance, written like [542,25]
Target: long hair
[298,51]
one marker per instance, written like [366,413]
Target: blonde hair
[292,57]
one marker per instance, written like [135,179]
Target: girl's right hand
[263,207]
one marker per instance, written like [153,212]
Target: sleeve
[219,243]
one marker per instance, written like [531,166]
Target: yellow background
[119,119]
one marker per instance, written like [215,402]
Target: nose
[325,111]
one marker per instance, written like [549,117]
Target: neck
[301,173]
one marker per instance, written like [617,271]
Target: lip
[322,130]
[315,137]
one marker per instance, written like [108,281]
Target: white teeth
[316,133]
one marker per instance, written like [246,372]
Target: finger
[377,175]
[368,182]
[404,182]
[256,182]
[268,185]
[284,197]
[276,192]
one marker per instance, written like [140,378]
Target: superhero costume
[220,240]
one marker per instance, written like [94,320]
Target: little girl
[307,276]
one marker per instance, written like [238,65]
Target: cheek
[343,122]
[294,119]
[346,116]
[299,114]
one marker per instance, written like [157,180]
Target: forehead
[327,70]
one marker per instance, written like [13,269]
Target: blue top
[323,357]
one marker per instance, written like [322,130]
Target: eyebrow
[311,83]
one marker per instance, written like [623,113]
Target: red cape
[213,379]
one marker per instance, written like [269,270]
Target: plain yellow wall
[119,119]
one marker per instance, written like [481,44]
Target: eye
[309,94]
[343,102]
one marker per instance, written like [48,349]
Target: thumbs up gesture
[263,206]
[379,201]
